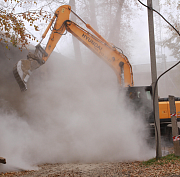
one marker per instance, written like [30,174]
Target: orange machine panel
[164,110]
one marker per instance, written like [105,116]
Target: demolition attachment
[23,68]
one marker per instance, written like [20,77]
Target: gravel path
[106,169]
[100,170]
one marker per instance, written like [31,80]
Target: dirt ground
[100,170]
[127,169]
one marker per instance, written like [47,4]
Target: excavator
[60,24]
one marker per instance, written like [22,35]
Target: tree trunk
[93,15]
[76,44]
[115,28]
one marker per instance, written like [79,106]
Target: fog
[74,112]
[71,113]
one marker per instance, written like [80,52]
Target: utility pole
[154,78]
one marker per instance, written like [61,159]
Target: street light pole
[154,78]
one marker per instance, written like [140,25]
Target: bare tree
[76,43]
[115,27]
[114,21]
[172,40]
[93,14]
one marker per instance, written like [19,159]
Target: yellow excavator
[60,23]
[96,43]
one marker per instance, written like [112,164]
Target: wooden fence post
[174,125]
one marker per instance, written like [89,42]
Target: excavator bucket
[22,71]
[23,68]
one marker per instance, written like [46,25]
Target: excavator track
[22,85]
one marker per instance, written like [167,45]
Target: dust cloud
[71,113]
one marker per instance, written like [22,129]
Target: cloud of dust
[74,113]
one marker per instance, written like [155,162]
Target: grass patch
[164,160]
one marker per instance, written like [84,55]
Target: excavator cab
[141,99]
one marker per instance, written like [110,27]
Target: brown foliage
[12,25]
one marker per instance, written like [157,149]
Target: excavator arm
[95,42]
